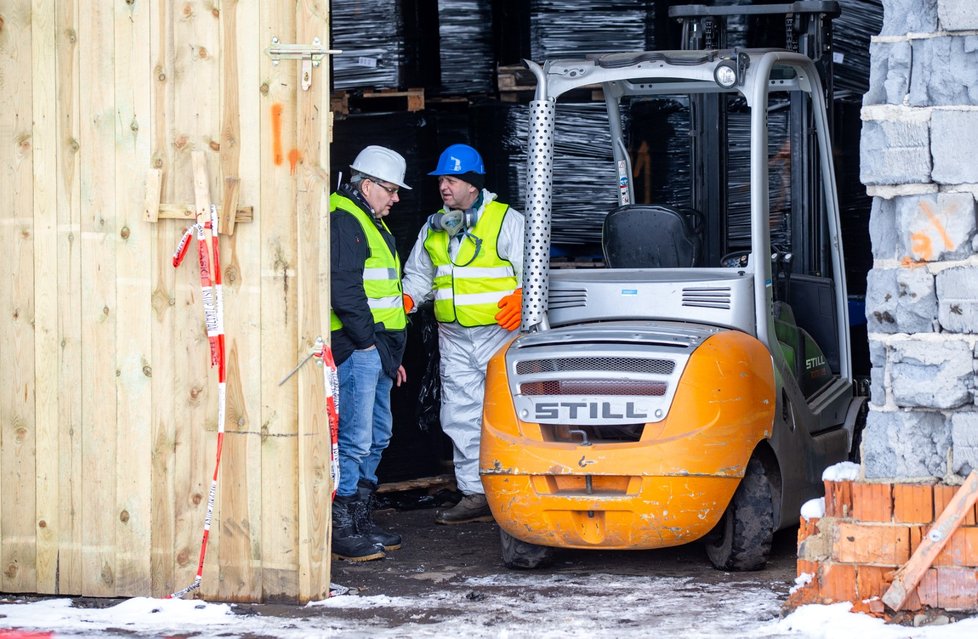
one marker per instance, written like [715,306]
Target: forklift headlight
[725,74]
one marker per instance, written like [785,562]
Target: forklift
[696,387]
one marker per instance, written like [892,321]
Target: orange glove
[408,303]
[511,315]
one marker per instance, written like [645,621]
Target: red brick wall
[869,530]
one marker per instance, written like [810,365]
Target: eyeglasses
[391,190]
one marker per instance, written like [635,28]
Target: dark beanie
[475,179]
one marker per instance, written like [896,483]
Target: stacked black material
[452,47]
[738,175]
[465,33]
[659,135]
[418,444]
[370,33]
[860,21]
[566,27]
[584,168]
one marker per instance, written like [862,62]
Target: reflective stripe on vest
[469,294]
[381,280]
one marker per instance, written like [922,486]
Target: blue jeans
[365,418]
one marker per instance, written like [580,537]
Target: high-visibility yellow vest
[468,290]
[381,272]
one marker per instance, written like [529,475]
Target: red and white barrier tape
[213,302]
[331,382]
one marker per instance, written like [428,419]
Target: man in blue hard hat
[468,258]
[367,325]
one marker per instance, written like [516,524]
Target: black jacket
[348,252]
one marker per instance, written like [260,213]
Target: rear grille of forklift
[595,387]
[587,393]
[614,364]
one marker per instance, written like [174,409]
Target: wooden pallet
[516,83]
[375,100]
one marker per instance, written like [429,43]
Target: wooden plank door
[264,140]
[294,295]
[108,407]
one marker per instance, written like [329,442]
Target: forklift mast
[807,30]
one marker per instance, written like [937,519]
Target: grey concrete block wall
[957,289]
[889,72]
[919,158]
[935,226]
[964,442]
[895,152]
[927,374]
[957,15]
[909,16]
[954,140]
[900,445]
[900,300]
[944,71]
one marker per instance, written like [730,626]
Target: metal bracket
[311,55]
[317,349]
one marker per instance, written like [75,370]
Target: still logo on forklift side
[571,410]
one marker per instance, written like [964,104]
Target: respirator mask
[451,222]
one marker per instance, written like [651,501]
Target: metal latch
[311,56]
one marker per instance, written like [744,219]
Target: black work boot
[347,543]
[365,526]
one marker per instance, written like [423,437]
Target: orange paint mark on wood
[277,133]
[294,157]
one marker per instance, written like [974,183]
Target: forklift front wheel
[523,555]
[742,539]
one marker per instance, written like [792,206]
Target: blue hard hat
[459,159]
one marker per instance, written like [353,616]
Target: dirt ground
[449,581]
[461,563]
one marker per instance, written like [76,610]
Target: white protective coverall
[465,351]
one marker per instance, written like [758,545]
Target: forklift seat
[651,236]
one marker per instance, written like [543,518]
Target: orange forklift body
[671,487]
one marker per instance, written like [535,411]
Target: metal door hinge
[311,55]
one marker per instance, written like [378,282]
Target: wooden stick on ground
[416,484]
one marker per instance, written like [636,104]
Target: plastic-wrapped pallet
[418,445]
[658,143]
[371,35]
[852,30]
[466,46]
[565,27]
[584,187]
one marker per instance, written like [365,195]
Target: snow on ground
[506,607]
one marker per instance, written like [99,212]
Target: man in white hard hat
[469,259]
[367,323]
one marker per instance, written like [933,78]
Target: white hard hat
[381,163]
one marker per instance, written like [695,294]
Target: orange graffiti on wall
[921,244]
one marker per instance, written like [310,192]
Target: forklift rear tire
[743,537]
[522,555]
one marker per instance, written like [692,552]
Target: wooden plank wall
[108,406]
